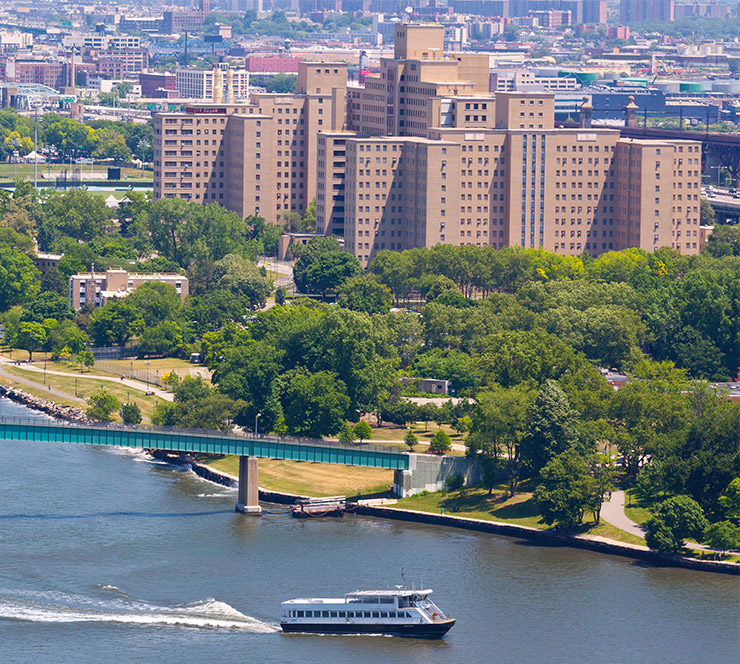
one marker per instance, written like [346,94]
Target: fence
[149,376]
[114,352]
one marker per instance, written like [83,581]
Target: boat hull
[434,630]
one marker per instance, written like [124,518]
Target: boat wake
[61,608]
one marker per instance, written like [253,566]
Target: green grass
[311,479]
[477,504]
[86,385]
[520,510]
[636,508]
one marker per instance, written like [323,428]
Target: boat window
[342,614]
[376,614]
[324,614]
[366,614]
[333,614]
[300,614]
[386,600]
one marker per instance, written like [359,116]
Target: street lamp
[256,417]
[718,169]
[146,364]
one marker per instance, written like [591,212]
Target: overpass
[724,147]
[248,447]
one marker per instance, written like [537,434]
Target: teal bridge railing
[200,441]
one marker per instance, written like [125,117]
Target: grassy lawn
[637,509]
[311,479]
[86,385]
[166,363]
[520,510]
[477,504]
[41,392]
[423,432]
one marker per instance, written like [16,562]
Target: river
[106,556]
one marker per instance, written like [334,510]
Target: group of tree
[677,440]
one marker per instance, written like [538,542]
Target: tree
[730,499]
[130,413]
[498,424]
[672,522]
[197,405]
[723,536]
[102,404]
[565,491]
[410,439]
[551,427]
[66,336]
[440,442]
[85,358]
[724,240]
[30,337]
[163,339]
[706,213]
[280,294]
[19,278]
[346,433]
[243,278]
[116,322]
[315,404]
[282,83]
[363,293]
[48,305]
[329,271]
[77,213]
[111,145]
[156,302]
[363,431]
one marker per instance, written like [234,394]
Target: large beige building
[424,154]
[253,157]
[434,158]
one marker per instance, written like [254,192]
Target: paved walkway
[613,513]
[52,392]
[128,382]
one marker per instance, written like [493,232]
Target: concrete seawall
[544,537]
[548,538]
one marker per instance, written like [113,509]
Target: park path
[612,512]
[128,382]
[30,383]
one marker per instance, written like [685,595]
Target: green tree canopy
[673,521]
[314,405]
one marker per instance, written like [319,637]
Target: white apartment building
[220,85]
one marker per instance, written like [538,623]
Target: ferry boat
[398,612]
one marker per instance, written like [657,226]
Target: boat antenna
[403,578]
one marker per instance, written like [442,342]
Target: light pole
[146,364]
[256,417]
[718,169]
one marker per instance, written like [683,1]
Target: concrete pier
[248,497]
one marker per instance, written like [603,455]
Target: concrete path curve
[612,512]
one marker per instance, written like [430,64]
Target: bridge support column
[248,497]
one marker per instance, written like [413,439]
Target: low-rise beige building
[99,288]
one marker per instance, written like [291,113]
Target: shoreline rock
[55,410]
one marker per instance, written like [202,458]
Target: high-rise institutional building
[635,11]
[254,157]
[424,154]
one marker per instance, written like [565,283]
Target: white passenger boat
[398,612]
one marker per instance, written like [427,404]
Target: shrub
[455,482]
